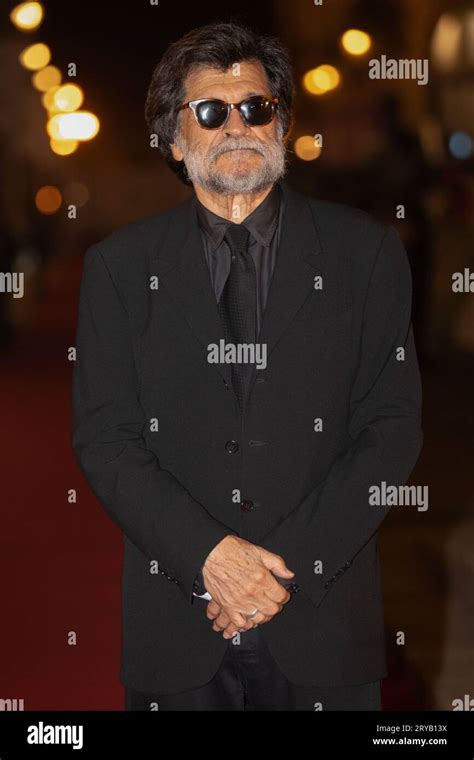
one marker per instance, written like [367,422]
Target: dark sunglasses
[211,113]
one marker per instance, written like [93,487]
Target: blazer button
[246,505]
[232,447]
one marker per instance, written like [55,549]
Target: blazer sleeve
[335,520]
[147,502]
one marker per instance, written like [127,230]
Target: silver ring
[252,614]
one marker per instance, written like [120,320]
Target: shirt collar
[261,223]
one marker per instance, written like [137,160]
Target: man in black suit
[245,372]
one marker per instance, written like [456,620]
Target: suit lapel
[183,272]
[299,258]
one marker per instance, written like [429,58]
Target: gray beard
[202,170]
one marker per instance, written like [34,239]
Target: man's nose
[235,124]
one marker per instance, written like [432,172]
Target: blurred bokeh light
[63,147]
[80,125]
[356,42]
[48,199]
[35,56]
[69,97]
[27,16]
[46,78]
[306,148]
[322,79]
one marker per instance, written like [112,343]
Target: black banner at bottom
[435,734]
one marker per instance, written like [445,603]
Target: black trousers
[249,679]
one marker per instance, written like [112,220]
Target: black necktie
[238,303]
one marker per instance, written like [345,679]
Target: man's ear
[177,153]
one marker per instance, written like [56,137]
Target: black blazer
[159,437]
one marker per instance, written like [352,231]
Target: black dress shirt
[264,225]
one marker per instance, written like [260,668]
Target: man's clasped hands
[240,577]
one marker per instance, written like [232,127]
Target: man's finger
[212,610]
[230,631]
[275,563]
[221,621]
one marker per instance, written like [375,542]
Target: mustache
[219,150]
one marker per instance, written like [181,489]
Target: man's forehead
[248,77]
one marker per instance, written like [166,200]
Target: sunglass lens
[211,114]
[257,111]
